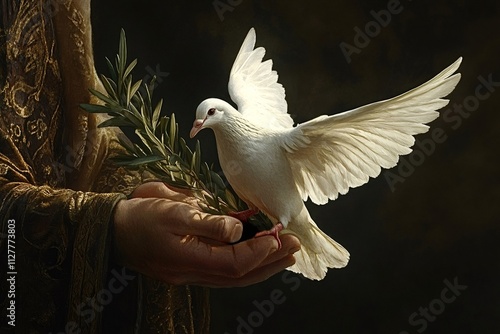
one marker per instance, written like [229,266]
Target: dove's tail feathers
[318,253]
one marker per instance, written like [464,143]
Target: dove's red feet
[274,232]
[243,216]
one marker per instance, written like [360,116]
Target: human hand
[163,234]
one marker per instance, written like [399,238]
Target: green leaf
[217,180]
[161,129]
[130,114]
[171,168]
[175,159]
[173,131]
[179,183]
[208,209]
[140,161]
[205,171]
[122,51]
[193,162]
[135,87]
[129,68]
[197,158]
[231,200]
[128,145]
[147,98]
[210,200]
[94,108]
[119,70]
[186,151]
[111,69]
[156,114]
[143,139]
[116,121]
[103,97]
[129,90]
[108,87]
[152,84]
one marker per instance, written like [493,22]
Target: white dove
[274,167]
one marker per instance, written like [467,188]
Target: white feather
[254,87]
[331,154]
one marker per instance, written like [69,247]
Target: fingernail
[293,250]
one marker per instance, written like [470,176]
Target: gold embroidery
[15,132]
[3,169]
[24,47]
[37,128]
[47,169]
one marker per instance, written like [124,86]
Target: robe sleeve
[62,243]
[61,237]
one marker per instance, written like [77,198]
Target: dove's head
[209,114]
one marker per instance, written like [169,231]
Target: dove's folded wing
[254,87]
[331,154]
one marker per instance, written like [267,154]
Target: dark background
[440,224]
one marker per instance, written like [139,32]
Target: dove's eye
[211,111]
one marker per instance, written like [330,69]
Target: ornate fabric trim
[61,237]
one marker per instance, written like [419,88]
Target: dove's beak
[197,126]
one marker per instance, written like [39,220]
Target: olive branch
[159,149]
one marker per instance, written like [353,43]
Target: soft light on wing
[331,154]
[254,87]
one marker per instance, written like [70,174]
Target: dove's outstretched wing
[331,154]
[254,87]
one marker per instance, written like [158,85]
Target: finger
[233,261]
[290,244]
[255,276]
[265,272]
[183,219]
